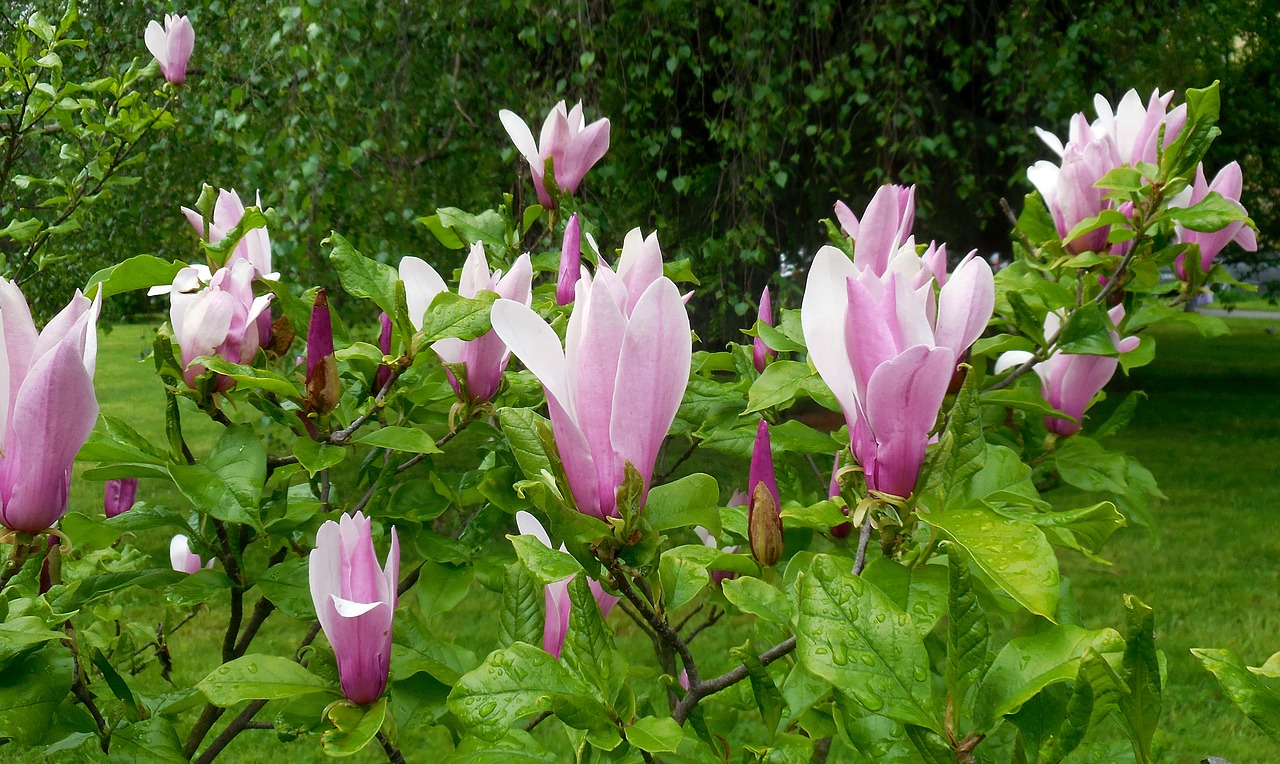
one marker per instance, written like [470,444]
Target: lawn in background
[1209,431]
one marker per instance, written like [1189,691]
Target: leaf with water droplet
[260,677]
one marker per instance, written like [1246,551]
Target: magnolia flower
[485,357]
[118,496]
[255,247]
[1070,192]
[216,314]
[1134,128]
[355,601]
[47,405]
[559,606]
[885,226]
[182,558]
[614,387]
[171,45]
[322,366]
[760,352]
[764,507]
[571,145]
[1069,381]
[1229,183]
[570,261]
[384,344]
[887,349]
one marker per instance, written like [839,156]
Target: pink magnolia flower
[47,405]
[355,601]
[1069,381]
[183,559]
[255,247]
[384,344]
[118,496]
[1133,127]
[760,352]
[614,386]
[884,228]
[1229,183]
[485,357]
[559,606]
[570,261]
[572,146]
[887,349]
[1069,192]
[216,314]
[322,367]
[171,45]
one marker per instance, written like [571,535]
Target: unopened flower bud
[384,344]
[764,511]
[322,366]
[570,261]
[761,353]
[118,496]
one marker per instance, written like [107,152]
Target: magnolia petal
[522,137]
[421,285]
[529,526]
[965,305]
[903,399]
[348,609]
[823,319]
[535,343]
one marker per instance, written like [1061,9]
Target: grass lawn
[1210,432]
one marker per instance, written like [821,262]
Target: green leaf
[751,595]
[520,618]
[30,691]
[228,482]
[683,572]
[1087,331]
[1083,463]
[931,746]
[408,439]
[588,644]
[259,677]
[488,226]
[853,636]
[416,646]
[545,564]
[452,315]
[140,272]
[1036,221]
[655,735]
[353,726]
[251,377]
[1140,707]
[315,457]
[691,500]
[1212,213]
[962,447]
[1012,553]
[362,277]
[1119,418]
[220,250]
[780,384]
[1121,179]
[286,585]
[521,428]
[1026,665]
[1086,529]
[968,632]
[443,233]
[513,682]
[518,747]
[1255,698]
[919,590]
[151,741]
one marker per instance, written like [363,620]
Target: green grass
[1210,432]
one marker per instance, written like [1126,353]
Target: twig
[715,615]
[860,561]
[261,610]
[235,727]
[693,446]
[701,689]
[81,690]
[539,719]
[668,635]
[393,754]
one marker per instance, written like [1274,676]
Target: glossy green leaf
[856,638]
[362,277]
[408,439]
[354,727]
[655,735]
[1258,700]
[691,500]
[259,677]
[1140,707]
[545,564]
[521,618]
[968,632]
[139,272]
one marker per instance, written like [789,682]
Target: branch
[701,689]
[658,622]
[393,754]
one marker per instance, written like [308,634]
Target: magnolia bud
[761,353]
[118,496]
[384,344]
[764,512]
[570,261]
[322,366]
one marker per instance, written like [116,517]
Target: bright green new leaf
[259,677]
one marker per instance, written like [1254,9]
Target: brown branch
[658,622]
[393,754]
[701,689]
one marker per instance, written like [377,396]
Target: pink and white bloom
[884,228]
[119,495]
[171,45]
[572,145]
[255,247]
[1069,192]
[1229,183]
[486,356]
[355,601]
[614,387]
[216,314]
[559,606]
[887,349]
[182,559]
[760,352]
[1069,381]
[47,405]
[1134,128]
